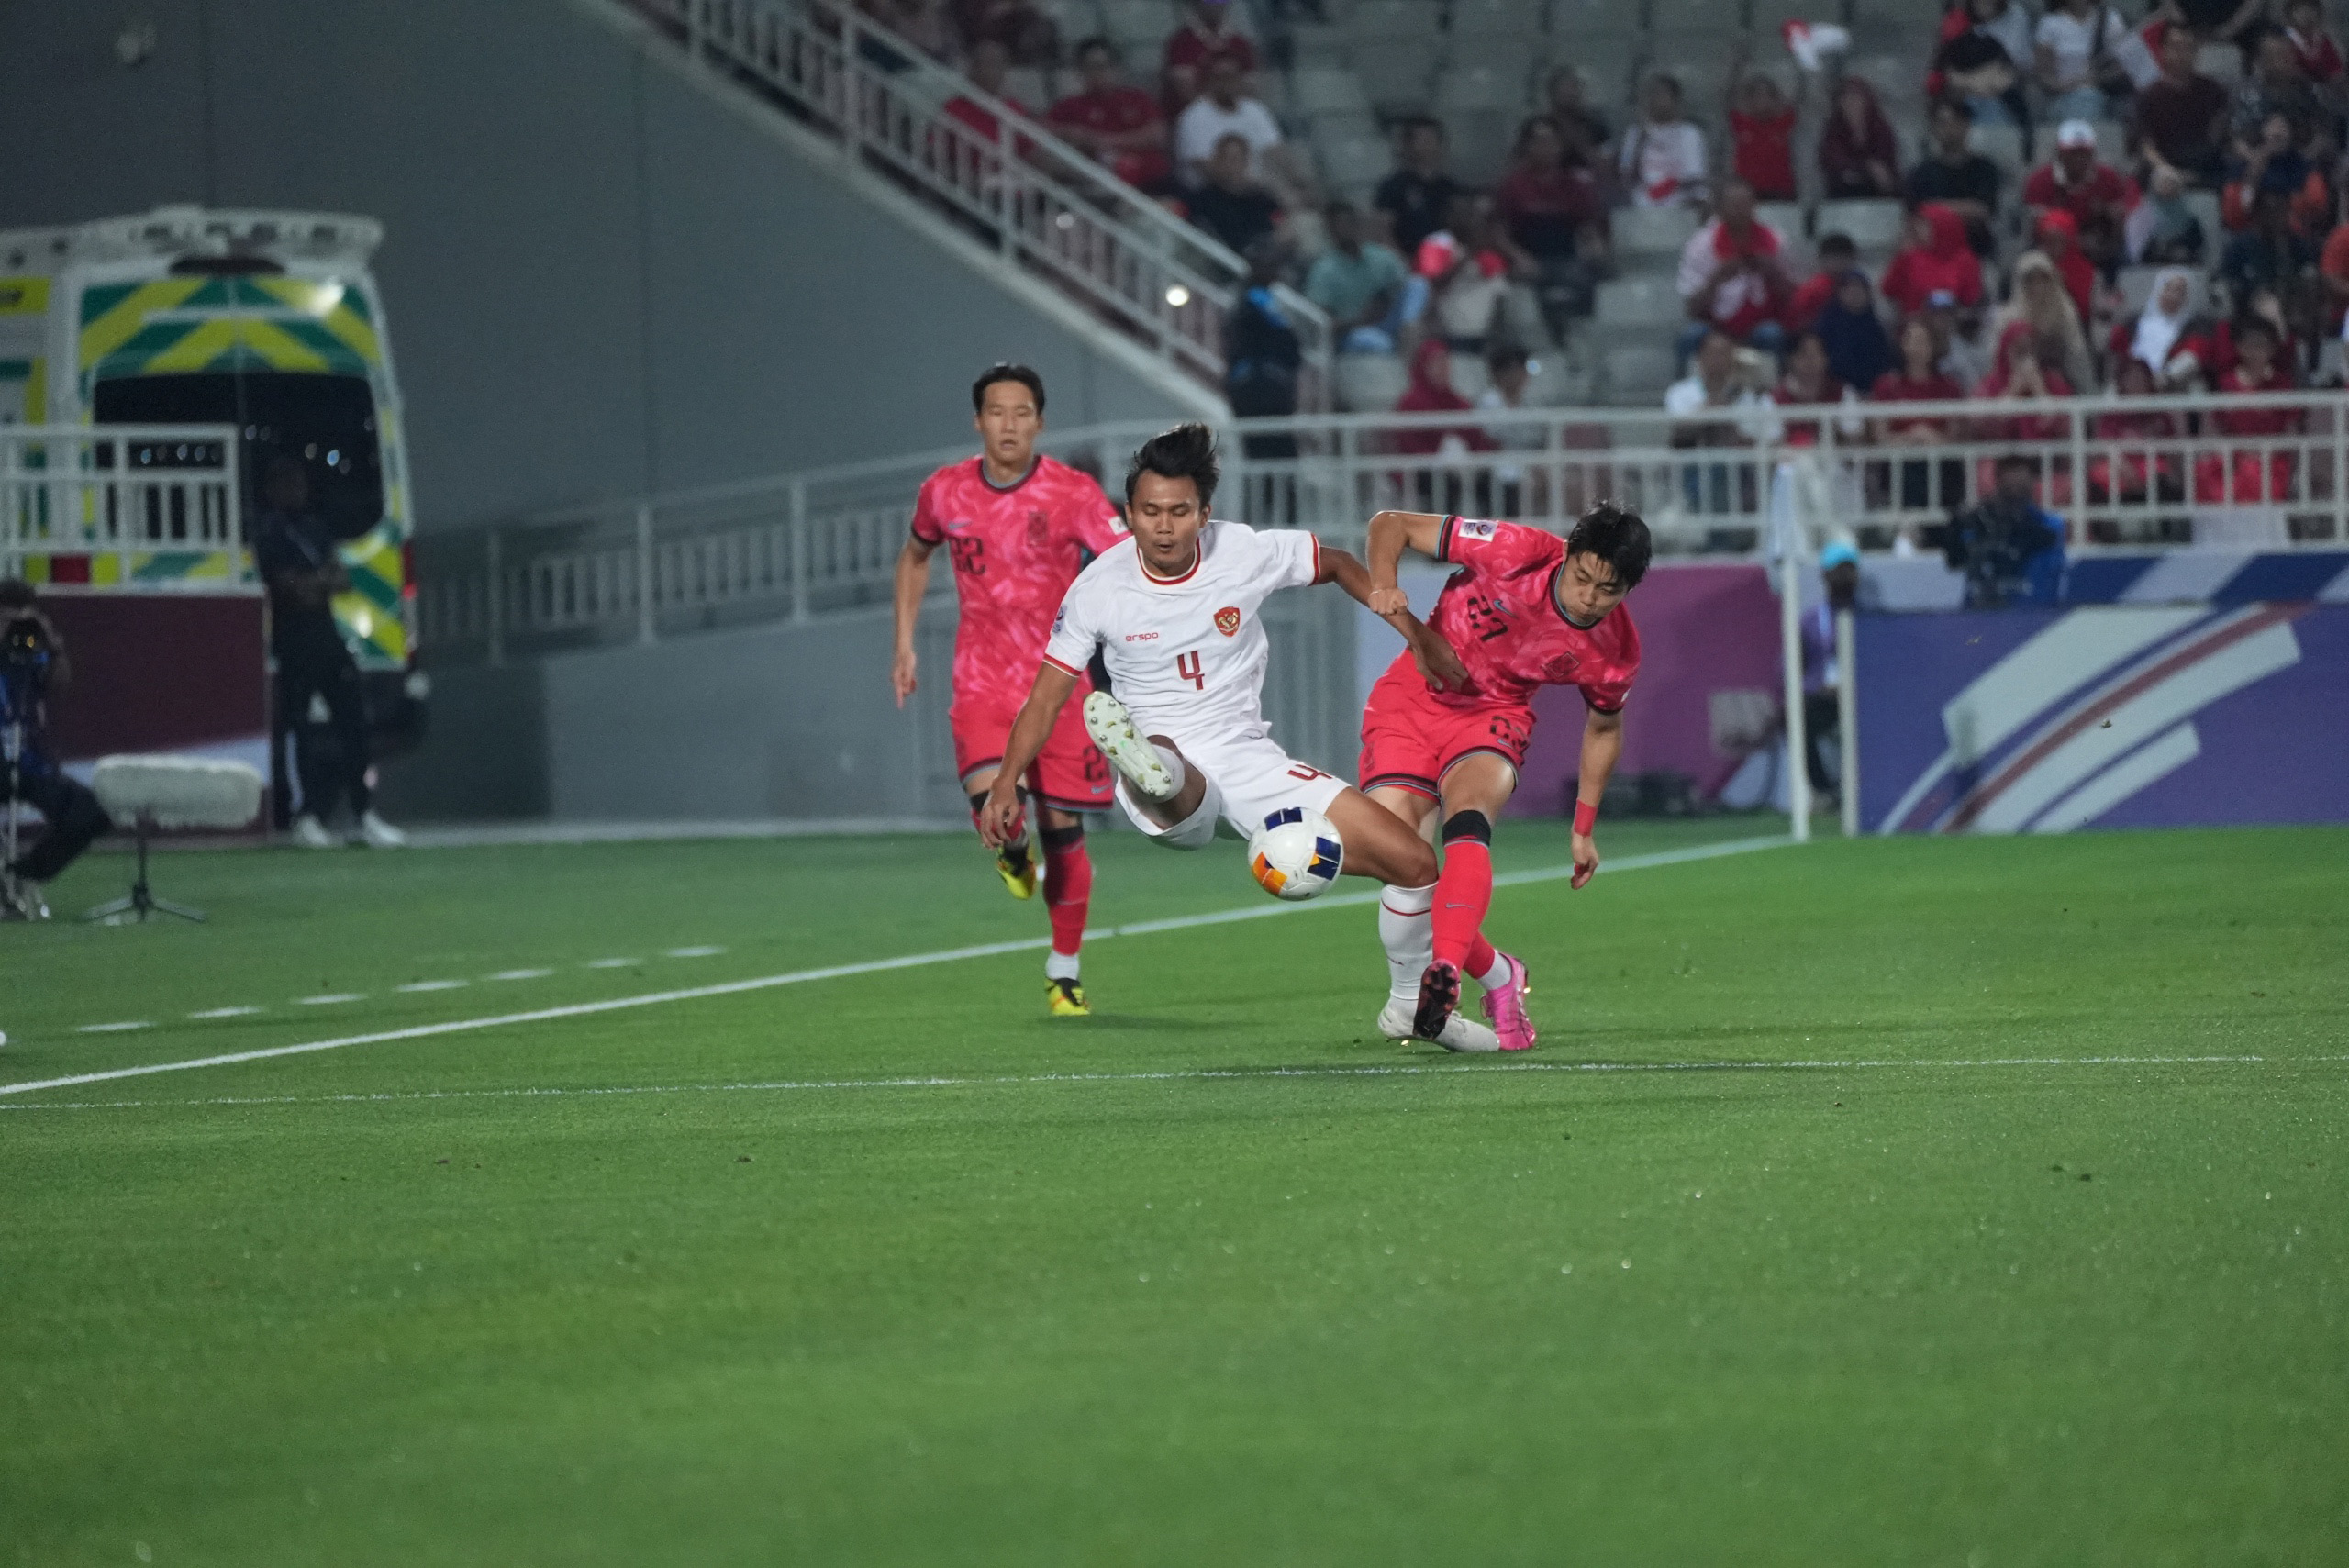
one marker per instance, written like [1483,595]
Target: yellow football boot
[1020,882]
[1066,999]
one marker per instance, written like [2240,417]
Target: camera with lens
[26,655]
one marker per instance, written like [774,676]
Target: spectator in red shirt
[1936,260]
[1733,276]
[2059,237]
[1114,122]
[2135,472]
[2097,195]
[1208,33]
[1544,203]
[2320,56]
[2333,267]
[986,67]
[2169,340]
[2241,477]
[1809,381]
[1859,159]
[1915,380]
[1431,392]
[1837,256]
[1762,131]
[2018,374]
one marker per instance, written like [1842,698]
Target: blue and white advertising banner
[2104,716]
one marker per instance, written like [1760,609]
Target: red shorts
[1409,740]
[1069,772]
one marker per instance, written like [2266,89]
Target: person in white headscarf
[2170,337]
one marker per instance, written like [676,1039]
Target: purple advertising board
[2104,716]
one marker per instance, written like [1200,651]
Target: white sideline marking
[225,1013]
[413,986]
[614,962]
[522,974]
[331,999]
[1403,1070]
[834,971]
[115,1028]
[694,952]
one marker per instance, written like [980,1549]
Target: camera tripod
[13,900]
[141,902]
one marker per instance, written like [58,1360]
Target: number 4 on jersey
[1188,667]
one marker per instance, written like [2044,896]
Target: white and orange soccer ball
[1296,854]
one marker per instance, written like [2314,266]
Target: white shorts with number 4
[1247,781]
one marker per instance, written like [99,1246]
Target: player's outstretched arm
[1390,534]
[913,585]
[999,817]
[1437,661]
[1602,747]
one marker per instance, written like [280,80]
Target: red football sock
[1481,957]
[1463,894]
[1068,893]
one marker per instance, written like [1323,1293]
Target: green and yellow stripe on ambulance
[184,326]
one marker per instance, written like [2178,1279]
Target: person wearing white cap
[2097,195]
[2073,42]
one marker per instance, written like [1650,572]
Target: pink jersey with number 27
[1502,617]
[1016,549]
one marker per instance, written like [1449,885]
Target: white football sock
[1407,930]
[1059,966]
[1499,973]
[1175,768]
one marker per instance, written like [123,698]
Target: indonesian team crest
[1227,621]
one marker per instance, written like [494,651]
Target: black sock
[1016,856]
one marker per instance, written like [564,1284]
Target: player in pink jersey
[1527,609]
[1019,527]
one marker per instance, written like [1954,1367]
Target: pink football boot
[1505,1008]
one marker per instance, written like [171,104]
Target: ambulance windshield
[326,421]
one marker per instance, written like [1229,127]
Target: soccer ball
[1296,854]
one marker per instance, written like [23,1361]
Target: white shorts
[1247,781]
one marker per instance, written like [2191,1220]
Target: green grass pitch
[1968,1202]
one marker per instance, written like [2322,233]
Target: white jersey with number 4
[1187,656]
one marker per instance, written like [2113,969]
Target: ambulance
[267,322]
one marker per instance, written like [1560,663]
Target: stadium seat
[1368,383]
[1469,375]
[1875,226]
[2204,206]
[1677,22]
[1581,19]
[1318,90]
[1141,29]
[1786,217]
[1637,372]
[1653,231]
[2136,285]
[1481,139]
[2002,145]
[1350,162]
[1479,87]
[1769,15]
[1514,19]
[2222,64]
[1897,79]
[1415,20]
[1394,72]
[1644,304]
[2113,143]
[1025,85]
[1491,51]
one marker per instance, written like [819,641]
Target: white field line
[1192,1074]
[837,972]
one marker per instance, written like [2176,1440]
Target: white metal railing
[1042,207]
[827,540]
[117,496]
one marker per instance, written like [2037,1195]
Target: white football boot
[379,834]
[1126,749]
[311,833]
[1459,1033]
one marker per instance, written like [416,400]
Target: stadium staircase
[1047,224]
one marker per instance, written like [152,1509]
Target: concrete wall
[600,280]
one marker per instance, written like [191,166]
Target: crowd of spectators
[2005,282]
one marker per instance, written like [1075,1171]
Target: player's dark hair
[2018,460]
[16,593]
[1186,452]
[1618,536]
[1837,243]
[1001,371]
[2248,324]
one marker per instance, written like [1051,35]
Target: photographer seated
[32,664]
[320,698]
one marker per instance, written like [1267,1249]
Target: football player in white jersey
[1175,613]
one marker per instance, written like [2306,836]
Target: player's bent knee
[1196,830]
[1062,838]
[1468,825]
